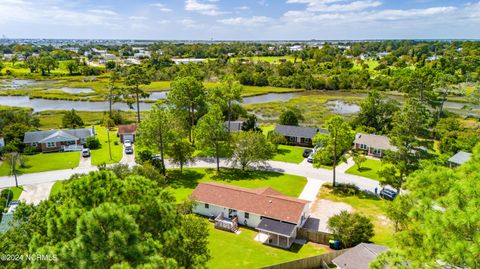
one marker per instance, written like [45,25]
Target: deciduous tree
[250,148]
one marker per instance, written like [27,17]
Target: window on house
[363,146]
[51,145]
[377,151]
[247,215]
[34,144]
[207,206]
[292,139]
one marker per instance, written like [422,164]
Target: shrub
[343,189]
[30,150]
[93,143]
[351,228]
[276,139]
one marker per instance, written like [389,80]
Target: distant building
[186,61]
[359,257]
[235,126]
[460,158]
[58,140]
[2,142]
[297,135]
[374,145]
[127,132]
[296,48]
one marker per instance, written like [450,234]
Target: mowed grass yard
[289,154]
[45,162]
[368,169]
[182,185]
[229,250]
[57,187]
[368,205]
[102,155]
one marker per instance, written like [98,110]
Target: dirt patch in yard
[322,210]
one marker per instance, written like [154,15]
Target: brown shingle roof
[127,129]
[265,202]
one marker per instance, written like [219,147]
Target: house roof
[265,202]
[127,129]
[460,158]
[58,136]
[36,137]
[374,141]
[298,131]
[277,227]
[359,257]
[235,126]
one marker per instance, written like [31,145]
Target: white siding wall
[214,210]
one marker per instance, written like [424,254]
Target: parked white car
[127,144]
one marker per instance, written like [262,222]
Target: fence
[314,236]
[314,262]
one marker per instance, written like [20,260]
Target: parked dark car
[388,194]
[307,152]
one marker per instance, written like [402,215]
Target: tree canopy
[102,221]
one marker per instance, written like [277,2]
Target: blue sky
[240,20]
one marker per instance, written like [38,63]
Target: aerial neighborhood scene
[310,134]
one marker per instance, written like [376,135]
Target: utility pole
[14,169]
[108,136]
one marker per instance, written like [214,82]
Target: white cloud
[190,24]
[103,12]
[336,5]
[242,21]
[208,9]
[137,18]
[161,7]
[243,8]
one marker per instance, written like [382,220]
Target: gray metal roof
[36,137]
[374,141]
[298,131]
[359,257]
[235,126]
[277,227]
[460,158]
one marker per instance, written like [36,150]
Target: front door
[232,213]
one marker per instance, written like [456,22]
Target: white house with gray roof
[460,158]
[58,140]
[374,145]
[298,135]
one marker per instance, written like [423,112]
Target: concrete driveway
[128,159]
[33,194]
[84,163]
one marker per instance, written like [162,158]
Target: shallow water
[341,107]
[73,90]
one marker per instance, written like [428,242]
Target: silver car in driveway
[128,147]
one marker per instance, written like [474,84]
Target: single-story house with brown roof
[298,135]
[374,145]
[359,257]
[58,140]
[127,132]
[277,217]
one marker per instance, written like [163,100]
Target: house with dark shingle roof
[374,145]
[58,140]
[277,217]
[460,158]
[298,135]
[235,126]
[359,257]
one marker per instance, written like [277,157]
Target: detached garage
[127,132]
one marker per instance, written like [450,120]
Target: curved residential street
[316,176]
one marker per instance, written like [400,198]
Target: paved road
[304,169]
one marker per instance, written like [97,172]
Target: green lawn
[368,169]
[45,162]
[182,185]
[17,191]
[289,154]
[102,155]
[368,205]
[229,250]
[57,187]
